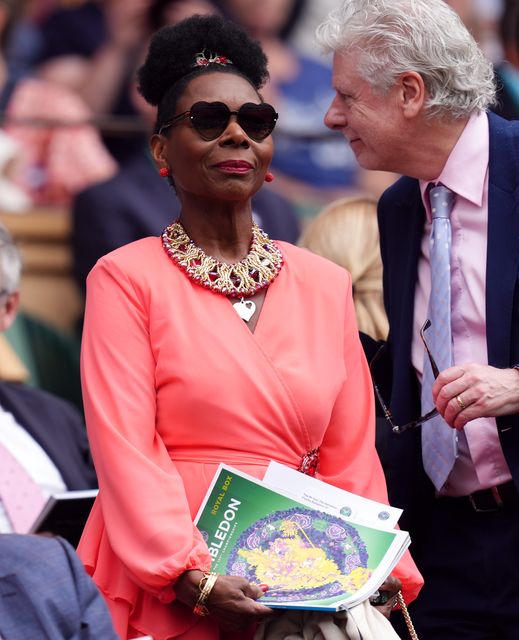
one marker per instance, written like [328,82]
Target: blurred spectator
[6,23]
[303,33]
[12,198]
[73,28]
[46,358]
[346,232]
[489,13]
[481,19]
[507,72]
[103,41]
[51,150]
[12,368]
[467,11]
[62,153]
[19,43]
[164,12]
[136,202]
[42,438]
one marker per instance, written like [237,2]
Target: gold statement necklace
[256,271]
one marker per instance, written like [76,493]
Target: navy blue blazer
[57,427]
[137,203]
[45,592]
[401,221]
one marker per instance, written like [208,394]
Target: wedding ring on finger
[460,402]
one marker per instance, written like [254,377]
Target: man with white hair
[412,94]
[43,443]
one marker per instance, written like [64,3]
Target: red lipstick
[234,166]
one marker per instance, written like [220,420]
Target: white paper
[320,495]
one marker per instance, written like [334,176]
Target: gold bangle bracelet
[205,586]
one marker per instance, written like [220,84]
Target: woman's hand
[390,587]
[232,601]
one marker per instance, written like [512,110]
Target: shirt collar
[466,168]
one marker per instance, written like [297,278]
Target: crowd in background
[72,119]
[74,140]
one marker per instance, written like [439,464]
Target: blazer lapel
[403,224]
[503,243]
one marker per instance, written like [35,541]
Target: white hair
[425,36]
[10,263]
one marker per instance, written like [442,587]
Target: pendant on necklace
[245,309]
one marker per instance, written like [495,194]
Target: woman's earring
[269,176]
[164,172]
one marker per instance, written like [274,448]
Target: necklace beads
[256,271]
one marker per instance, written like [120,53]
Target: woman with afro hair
[211,344]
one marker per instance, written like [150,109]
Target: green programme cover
[310,559]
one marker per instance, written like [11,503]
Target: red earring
[164,172]
[269,177]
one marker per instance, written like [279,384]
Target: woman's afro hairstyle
[173,51]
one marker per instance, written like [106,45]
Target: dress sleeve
[348,458]
[142,495]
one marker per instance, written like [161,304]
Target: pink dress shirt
[481,463]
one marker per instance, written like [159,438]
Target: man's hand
[465,392]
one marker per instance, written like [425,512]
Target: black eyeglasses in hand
[387,411]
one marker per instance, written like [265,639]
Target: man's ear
[8,310]
[411,93]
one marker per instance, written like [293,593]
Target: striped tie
[439,441]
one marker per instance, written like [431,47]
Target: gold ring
[460,402]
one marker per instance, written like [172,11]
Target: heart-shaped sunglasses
[210,119]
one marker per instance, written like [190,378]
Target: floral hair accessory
[206,57]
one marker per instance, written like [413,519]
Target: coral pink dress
[175,383]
